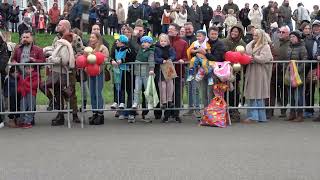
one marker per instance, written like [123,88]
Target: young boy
[196,52]
[113,22]
[27,87]
[142,71]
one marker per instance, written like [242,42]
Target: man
[313,49]
[27,52]
[285,14]
[196,16]
[54,14]
[180,46]
[75,15]
[4,9]
[243,16]
[135,13]
[265,19]
[146,10]
[217,55]
[230,5]
[103,13]
[249,34]
[281,46]
[207,14]
[77,45]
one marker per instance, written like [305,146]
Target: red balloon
[245,59]
[228,55]
[93,69]
[100,58]
[232,57]
[81,61]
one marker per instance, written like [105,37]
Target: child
[41,21]
[163,54]
[122,53]
[230,21]
[12,96]
[113,22]
[198,57]
[27,86]
[142,71]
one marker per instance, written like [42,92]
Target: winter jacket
[77,44]
[231,44]
[62,57]
[121,16]
[146,11]
[218,17]
[258,72]
[144,56]
[285,13]
[298,52]
[228,6]
[230,21]
[5,8]
[134,14]
[196,16]
[243,16]
[217,51]
[160,55]
[23,27]
[54,14]
[207,12]
[180,19]
[180,46]
[38,20]
[156,15]
[93,13]
[4,58]
[28,84]
[247,38]
[103,12]
[255,16]
[303,14]
[76,11]
[113,21]
[190,39]
[14,14]
[35,52]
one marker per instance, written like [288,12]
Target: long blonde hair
[165,37]
[100,41]
[262,39]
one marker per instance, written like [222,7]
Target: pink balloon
[81,61]
[245,59]
[100,58]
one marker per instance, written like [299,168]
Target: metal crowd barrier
[201,93]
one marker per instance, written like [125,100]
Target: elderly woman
[258,76]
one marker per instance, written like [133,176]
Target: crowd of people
[191,37]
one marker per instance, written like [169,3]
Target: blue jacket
[159,57]
[76,11]
[92,13]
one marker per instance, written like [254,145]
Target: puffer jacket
[298,52]
[231,44]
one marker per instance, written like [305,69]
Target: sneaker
[210,81]
[131,119]
[117,114]
[26,126]
[197,114]
[165,120]
[135,106]
[1,125]
[188,113]
[190,78]
[121,106]
[114,106]
[307,114]
[147,119]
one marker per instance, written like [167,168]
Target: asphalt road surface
[277,150]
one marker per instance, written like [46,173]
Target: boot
[75,118]
[12,123]
[269,113]
[92,118]
[58,121]
[299,117]
[99,120]
[292,116]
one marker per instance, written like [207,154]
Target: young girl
[40,21]
[163,54]
[196,52]
[96,82]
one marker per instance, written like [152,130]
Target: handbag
[107,76]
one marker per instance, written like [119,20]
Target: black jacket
[113,21]
[130,56]
[4,57]
[217,51]
[247,38]
[207,12]
[134,14]
[103,12]
[190,39]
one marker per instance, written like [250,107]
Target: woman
[14,16]
[96,82]
[3,64]
[54,15]
[156,19]
[181,16]
[92,15]
[297,51]
[121,17]
[255,16]
[306,30]
[66,10]
[258,76]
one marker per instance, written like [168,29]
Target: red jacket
[35,52]
[180,46]
[54,14]
[24,85]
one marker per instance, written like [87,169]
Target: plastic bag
[151,93]
[292,76]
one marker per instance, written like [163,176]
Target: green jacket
[144,56]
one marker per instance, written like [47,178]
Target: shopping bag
[151,93]
[292,77]
[168,70]
[215,114]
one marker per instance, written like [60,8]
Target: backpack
[222,70]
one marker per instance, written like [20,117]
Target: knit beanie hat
[146,39]
[297,34]
[123,39]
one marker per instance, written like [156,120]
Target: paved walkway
[276,150]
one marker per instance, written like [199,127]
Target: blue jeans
[194,94]
[289,24]
[96,86]
[139,82]
[296,98]
[256,114]
[27,103]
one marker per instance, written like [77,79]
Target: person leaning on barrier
[96,82]
[297,51]
[77,46]
[4,58]
[258,75]
[313,48]
[27,52]
[63,59]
